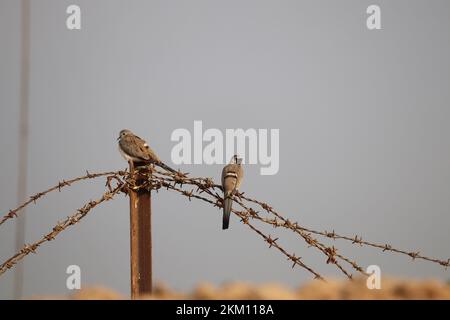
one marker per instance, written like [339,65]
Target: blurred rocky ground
[391,288]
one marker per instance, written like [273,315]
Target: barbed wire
[64,183]
[330,252]
[244,219]
[205,189]
[205,184]
[354,240]
[61,226]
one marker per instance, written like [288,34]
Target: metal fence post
[140,241]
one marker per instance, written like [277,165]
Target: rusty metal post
[140,241]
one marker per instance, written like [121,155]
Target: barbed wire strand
[157,179]
[149,184]
[161,182]
[64,183]
[356,239]
[272,242]
[61,226]
[207,183]
[330,252]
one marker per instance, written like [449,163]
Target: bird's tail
[227,203]
[166,167]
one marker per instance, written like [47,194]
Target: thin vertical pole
[140,241]
[23,139]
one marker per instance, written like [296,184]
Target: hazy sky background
[363,118]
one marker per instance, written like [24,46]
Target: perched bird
[136,150]
[232,175]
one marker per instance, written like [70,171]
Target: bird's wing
[151,155]
[240,174]
[135,147]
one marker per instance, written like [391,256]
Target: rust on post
[140,241]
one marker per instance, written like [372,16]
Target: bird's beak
[118,138]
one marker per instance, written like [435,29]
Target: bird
[136,150]
[232,175]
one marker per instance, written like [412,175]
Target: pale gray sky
[363,118]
